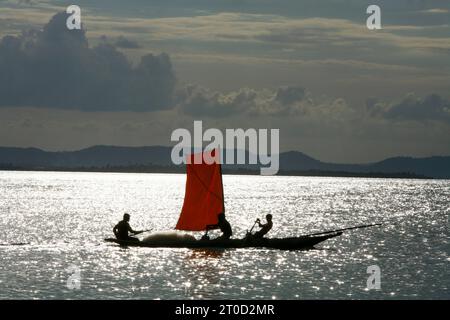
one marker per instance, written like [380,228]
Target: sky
[140,69]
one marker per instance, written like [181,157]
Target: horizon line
[163,146]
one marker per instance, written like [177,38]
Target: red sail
[203,200]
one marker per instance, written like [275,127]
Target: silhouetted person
[223,225]
[264,227]
[123,227]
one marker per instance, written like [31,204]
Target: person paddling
[223,225]
[265,228]
[123,227]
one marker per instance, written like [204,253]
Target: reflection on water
[61,219]
[203,268]
[206,253]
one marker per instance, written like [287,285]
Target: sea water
[53,225]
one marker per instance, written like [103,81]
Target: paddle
[339,230]
[257,220]
[143,231]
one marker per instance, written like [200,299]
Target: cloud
[287,101]
[289,95]
[432,107]
[296,103]
[199,101]
[56,68]
[125,43]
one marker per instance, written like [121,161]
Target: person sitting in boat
[223,225]
[123,227]
[265,228]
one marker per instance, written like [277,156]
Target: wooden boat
[293,243]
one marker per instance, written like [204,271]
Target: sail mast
[221,179]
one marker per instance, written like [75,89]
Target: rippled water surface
[63,217]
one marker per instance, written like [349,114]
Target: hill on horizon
[103,156]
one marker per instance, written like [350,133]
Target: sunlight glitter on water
[65,216]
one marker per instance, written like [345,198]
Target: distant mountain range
[159,156]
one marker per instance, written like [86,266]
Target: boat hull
[294,243]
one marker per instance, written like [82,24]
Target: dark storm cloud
[56,68]
[432,107]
